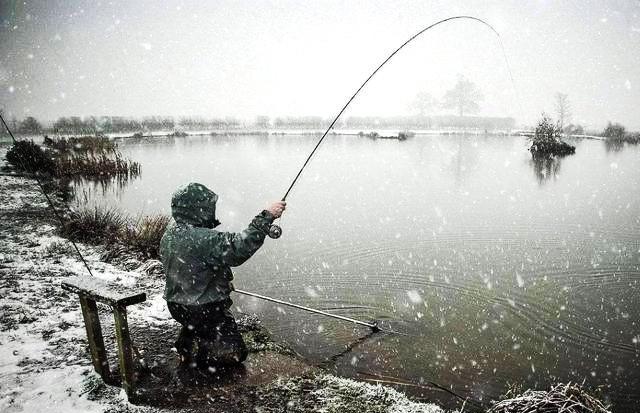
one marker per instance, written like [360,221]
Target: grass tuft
[145,234]
[94,225]
[109,226]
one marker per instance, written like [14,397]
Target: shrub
[614,131]
[633,138]
[29,157]
[546,140]
[178,134]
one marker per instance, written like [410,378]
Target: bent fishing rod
[275,231]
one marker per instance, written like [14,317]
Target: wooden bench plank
[102,292]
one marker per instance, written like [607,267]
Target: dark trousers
[209,336]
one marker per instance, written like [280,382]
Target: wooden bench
[92,290]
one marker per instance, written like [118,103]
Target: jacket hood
[195,204]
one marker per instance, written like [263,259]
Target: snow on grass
[331,394]
[55,390]
[339,393]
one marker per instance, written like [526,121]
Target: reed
[82,144]
[96,166]
[86,157]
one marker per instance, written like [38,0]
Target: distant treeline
[429,122]
[92,125]
[120,124]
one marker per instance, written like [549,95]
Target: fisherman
[197,261]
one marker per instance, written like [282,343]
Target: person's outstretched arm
[234,249]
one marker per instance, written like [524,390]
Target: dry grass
[93,225]
[145,234]
[109,226]
[561,398]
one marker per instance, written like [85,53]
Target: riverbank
[43,347]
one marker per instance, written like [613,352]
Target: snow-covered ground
[44,363]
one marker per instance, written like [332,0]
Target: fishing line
[275,231]
[51,204]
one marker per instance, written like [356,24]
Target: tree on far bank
[30,125]
[262,122]
[563,109]
[424,103]
[465,97]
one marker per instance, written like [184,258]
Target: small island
[546,140]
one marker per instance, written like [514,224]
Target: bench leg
[94,336]
[125,351]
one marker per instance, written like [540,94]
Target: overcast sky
[275,58]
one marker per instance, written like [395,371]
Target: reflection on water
[545,167]
[491,277]
[85,191]
[613,145]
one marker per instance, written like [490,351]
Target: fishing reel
[275,231]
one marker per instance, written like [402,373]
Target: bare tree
[465,97]
[563,109]
[424,103]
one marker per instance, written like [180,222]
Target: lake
[492,268]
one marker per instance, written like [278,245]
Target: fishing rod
[275,231]
[373,325]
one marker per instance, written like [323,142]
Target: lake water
[495,269]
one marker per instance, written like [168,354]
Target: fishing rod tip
[374,326]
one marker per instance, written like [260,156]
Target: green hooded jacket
[197,259]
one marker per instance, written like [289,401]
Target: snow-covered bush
[29,157]
[546,140]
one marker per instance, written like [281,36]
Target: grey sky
[306,58]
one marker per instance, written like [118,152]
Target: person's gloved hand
[277,208]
